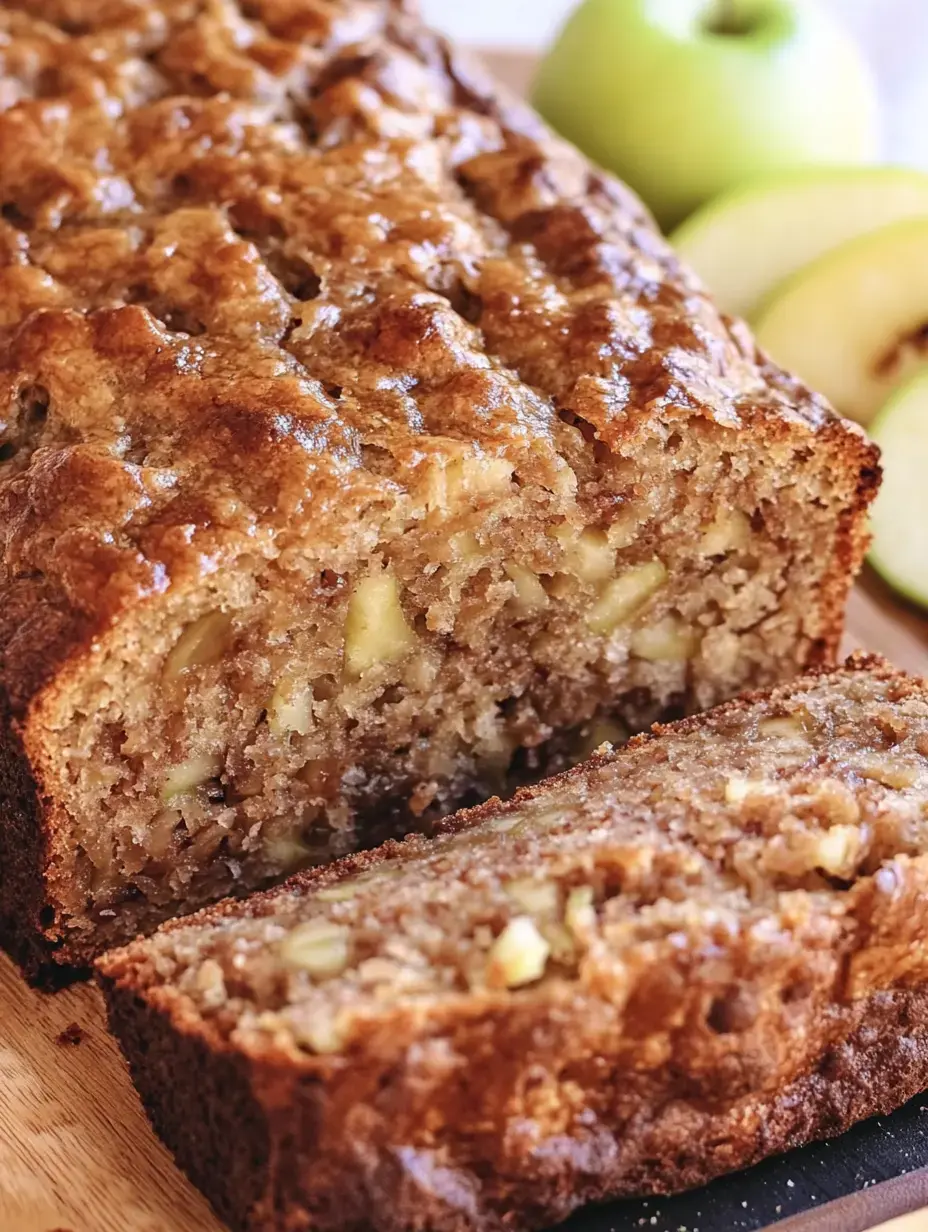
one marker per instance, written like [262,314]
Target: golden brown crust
[253,1175]
[261,263]
[736,1039]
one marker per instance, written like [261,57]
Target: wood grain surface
[76,1153]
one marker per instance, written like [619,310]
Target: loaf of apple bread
[666,964]
[362,446]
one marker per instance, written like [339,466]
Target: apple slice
[749,240]
[854,324]
[900,514]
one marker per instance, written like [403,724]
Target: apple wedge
[900,515]
[854,324]
[746,242]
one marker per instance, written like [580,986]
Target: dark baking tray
[805,1180]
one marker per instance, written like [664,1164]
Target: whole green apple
[685,98]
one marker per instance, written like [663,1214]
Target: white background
[893,32]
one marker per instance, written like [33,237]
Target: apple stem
[725,20]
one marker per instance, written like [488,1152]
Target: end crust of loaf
[746,892]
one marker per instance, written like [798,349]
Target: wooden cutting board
[77,1155]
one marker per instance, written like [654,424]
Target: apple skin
[681,112]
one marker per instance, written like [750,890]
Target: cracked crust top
[265,265]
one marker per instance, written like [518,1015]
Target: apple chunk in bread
[648,962]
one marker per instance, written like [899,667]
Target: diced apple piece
[323,1032]
[625,595]
[211,984]
[783,727]
[625,526]
[593,556]
[190,774]
[477,475]
[464,480]
[287,853]
[204,641]
[730,531]
[376,630]
[890,771]
[530,595]
[668,641]
[589,556]
[738,789]
[837,851]
[580,911]
[748,241]
[853,323]
[290,708]
[318,947]
[465,545]
[518,956]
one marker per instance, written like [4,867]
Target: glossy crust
[258,264]
[571,1108]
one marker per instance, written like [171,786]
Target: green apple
[686,98]
[751,239]
[900,515]
[855,323]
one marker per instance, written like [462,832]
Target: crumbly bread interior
[273,721]
[771,830]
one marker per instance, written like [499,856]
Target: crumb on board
[73,1034]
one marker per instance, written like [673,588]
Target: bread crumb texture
[786,810]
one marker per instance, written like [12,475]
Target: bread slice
[363,445]
[666,964]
